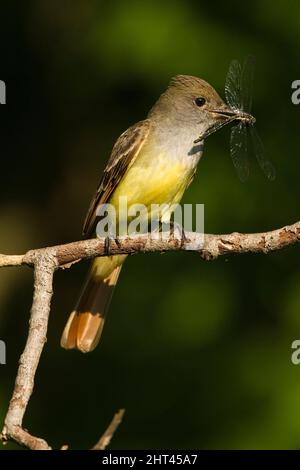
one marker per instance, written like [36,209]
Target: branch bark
[106,437]
[44,267]
[209,246]
[46,260]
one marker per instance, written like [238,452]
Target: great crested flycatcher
[152,162]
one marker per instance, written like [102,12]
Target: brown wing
[122,156]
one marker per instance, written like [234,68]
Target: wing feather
[124,153]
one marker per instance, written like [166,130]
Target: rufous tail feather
[85,324]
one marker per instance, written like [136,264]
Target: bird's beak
[224,115]
[231,114]
[226,112]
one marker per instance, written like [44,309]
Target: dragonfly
[238,93]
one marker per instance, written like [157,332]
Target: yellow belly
[153,182]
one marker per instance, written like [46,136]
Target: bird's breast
[158,177]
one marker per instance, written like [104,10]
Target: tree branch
[46,260]
[106,437]
[207,245]
[40,310]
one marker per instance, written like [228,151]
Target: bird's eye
[200,101]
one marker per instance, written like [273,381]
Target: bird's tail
[84,326]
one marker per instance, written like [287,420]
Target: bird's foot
[177,231]
[107,244]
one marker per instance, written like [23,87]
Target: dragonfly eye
[200,101]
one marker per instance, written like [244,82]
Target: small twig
[106,437]
[11,260]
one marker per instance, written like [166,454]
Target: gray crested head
[193,104]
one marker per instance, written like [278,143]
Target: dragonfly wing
[239,151]
[233,85]
[247,83]
[263,161]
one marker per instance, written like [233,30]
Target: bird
[152,162]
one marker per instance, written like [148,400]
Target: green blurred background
[198,353]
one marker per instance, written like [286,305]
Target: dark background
[198,353]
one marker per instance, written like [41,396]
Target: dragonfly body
[238,92]
[245,118]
